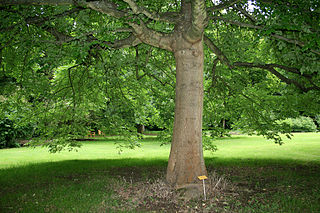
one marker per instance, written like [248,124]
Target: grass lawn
[258,176]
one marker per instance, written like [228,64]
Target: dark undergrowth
[137,185]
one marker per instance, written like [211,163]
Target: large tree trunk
[186,161]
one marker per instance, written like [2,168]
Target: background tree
[260,65]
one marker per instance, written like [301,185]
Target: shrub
[7,134]
[318,120]
[301,124]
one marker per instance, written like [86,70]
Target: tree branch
[245,13]
[270,68]
[106,7]
[251,26]
[37,2]
[166,17]
[37,20]
[199,20]
[214,75]
[217,51]
[151,37]
[130,41]
[222,6]
[138,59]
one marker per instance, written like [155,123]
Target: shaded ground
[229,189]
[106,186]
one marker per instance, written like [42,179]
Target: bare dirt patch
[228,189]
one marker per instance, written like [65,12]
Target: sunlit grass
[101,149]
[278,178]
[304,147]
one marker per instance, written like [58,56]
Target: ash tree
[257,62]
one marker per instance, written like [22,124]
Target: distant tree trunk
[140,128]
[186,156]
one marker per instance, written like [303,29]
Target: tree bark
[186,161]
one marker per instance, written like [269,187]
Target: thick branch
[105,7]
[199,15]
[151,37]
[199,21]
[270,68]
[217,51]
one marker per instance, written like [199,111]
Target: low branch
[251,26]
[271,68]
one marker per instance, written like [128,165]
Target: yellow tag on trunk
[203,177]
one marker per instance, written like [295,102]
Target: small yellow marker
[203,177]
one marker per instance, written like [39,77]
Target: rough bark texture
[186,161]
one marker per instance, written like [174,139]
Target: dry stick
[217,184]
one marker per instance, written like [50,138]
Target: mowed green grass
[303,147]
[90,150]
[276,178]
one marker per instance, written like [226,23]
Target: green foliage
[317,119]
[7,134]
[127,142]
[207,143]
[12,128]
[301,124]
[59,83]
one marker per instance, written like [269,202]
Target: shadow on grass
[215,161]
[60,186]
[26,173]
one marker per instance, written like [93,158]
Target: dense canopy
[69,66]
